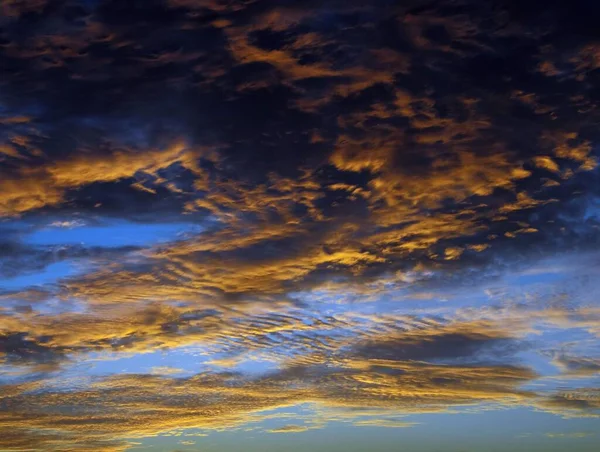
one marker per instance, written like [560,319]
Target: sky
[299,225]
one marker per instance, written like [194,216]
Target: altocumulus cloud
[329,151]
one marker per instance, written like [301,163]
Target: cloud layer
[364,178]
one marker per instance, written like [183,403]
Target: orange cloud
[39,187]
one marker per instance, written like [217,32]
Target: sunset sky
[299,225]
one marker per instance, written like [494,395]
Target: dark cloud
[19,349]
[437,348]
[276,87]
[323,147]
[324,141]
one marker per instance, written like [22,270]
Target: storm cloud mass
[378,210]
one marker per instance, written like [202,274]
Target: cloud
[35,188]
[387,423]
[336,154]
[378,368]
[579,402]
[570,435]
[391,173]
[165,370]
[290,429]
[17,349]
[147,405]
[577,366]
[433,344]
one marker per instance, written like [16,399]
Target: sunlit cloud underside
[266,226]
